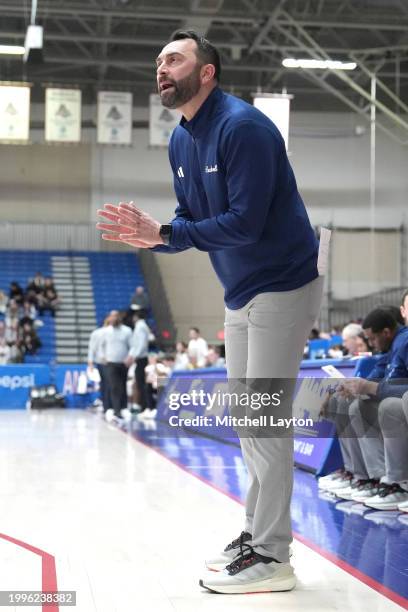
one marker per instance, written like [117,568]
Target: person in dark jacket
[373,412]
[238,201]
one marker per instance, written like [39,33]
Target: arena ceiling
[111,44]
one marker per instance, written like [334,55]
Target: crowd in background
[349,340]
[130,365]
[20,310]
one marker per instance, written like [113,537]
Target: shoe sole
[344,497]
[264,586]
[393,507]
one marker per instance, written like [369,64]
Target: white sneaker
[147,413]
[366,491]
[403,506]
[150,413]
[351,490]
[229,553]
[388,497]
[339,483]
[249,573]
[323,481]
[109,415]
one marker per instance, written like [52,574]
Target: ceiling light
[318,64]
[11,50]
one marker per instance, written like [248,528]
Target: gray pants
[365,423]
[339,412]
[265,340]
[393,419]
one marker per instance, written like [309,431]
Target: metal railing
[342,311]
[166,329]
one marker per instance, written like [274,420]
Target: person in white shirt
[116,345]
[197,348]
[4,352]
[96,359]
[181,361]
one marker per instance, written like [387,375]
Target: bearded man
[238,201]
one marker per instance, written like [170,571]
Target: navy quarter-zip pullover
[238,200]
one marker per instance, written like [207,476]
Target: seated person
[49,283]
[12,314]
[350,334]
[30,341]
[363,346]
[3,302]
[49,300]
[4,352]
[214,359]
[36,283]
[27,313]
[369,479]
[16,293]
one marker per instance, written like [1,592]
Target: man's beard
[183,90]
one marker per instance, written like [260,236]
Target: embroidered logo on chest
[210,169]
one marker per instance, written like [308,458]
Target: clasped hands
[130,225]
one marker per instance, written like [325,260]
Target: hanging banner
[14,113]
[114,117]
[162,122]
[277,108]
[62,115]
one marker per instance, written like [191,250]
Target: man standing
[138,355]
[238,200]
[116,343]
[140,300]
[96,358]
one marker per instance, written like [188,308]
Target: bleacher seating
[318,348]
[114,279]
[20,266]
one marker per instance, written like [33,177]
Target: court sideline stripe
[48,570]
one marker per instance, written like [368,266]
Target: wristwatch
[165,233]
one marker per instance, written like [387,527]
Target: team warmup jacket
[395,380]
[238,200]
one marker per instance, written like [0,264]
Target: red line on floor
[377,586]
[48,570]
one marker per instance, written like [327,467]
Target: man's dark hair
[404,295]
[197,331]
[206,52]
[379,319]
[394,311]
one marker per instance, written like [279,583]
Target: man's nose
[161,70]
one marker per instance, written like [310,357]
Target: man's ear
[207,73]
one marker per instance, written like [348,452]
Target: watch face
[165,232]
